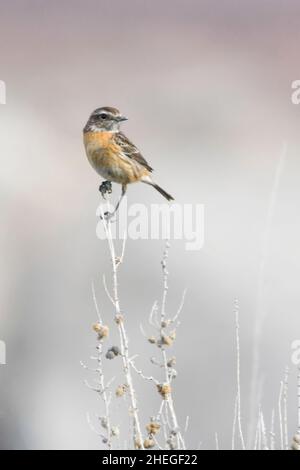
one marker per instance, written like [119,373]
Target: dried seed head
[115,431]
[296,442]
[152,340]
[119,318]
[164,390]
[115,350]
[96,327]
[102,330]
[149,443]
[110,354]
[137,444]
[153,427]
[103,422]
[171,443]
[165,323]
[120,390]
[166,340]
[171,362]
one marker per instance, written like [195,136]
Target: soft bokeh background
[207,87]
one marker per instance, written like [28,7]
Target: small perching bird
[112,154]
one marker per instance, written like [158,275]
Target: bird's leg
[105,187]
[124,187]
[109,215]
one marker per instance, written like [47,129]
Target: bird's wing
[131,151]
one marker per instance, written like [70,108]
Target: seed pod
[166,340]
[171,443]
[149,443]
[120,390]
[171,362]
[110,354]
[115,350]
[296,442]
[153,427]
[164,390]
[119,318]
[137,444]
[152,340]
[115,431]
[103,422]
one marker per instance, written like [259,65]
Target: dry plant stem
[234,424]
[102,388]
[239,420]
[285,398]
[272,431]
[259,433]
[263,432]
[261,311]
[298,392]
[169,398]
[104,394]
[122,332]
[280,415]
[217,441]
[255,441]
[140,372]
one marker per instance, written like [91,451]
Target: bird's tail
[163,192]
[148,180]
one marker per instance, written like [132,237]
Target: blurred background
[207,88]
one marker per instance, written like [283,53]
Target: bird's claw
[105,188]
[107,216]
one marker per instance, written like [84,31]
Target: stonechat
[113,155]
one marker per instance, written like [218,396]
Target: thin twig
[217,441]
[285,399]
[139,372]
[234,423]
[263,432]
[280,415]
[261,312]
[169,397]
[298,393]
[238,375]
[272,431]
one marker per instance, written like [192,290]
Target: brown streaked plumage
[112,154]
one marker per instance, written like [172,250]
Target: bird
[113,155]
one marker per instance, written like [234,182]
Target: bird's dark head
[104,119]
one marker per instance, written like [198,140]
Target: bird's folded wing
[131,151]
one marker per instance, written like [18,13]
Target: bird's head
[105,119]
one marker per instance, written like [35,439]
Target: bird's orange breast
[107,158]
[100,148]
[101,139]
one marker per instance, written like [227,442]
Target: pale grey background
[207,87]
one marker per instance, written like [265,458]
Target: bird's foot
[107,216]
[105,188]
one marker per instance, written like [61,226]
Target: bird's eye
[103,116]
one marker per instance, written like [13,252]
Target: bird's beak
[122,118]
